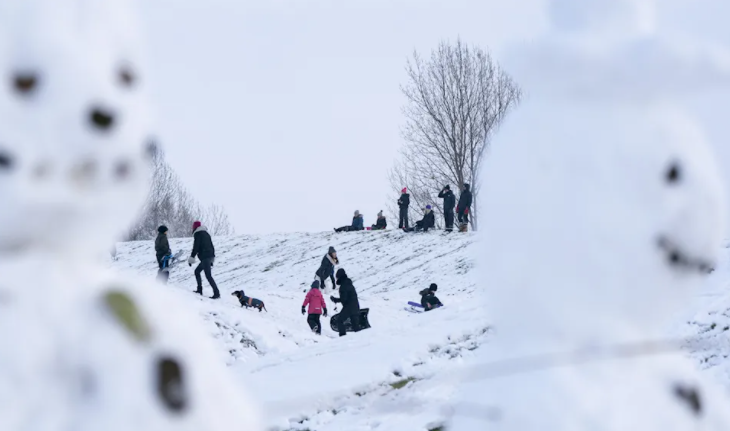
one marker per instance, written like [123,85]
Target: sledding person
[162,246]
[449,203]
[327,268]
[350,303]
[428,221]
[380,224]
[403,202]
[463,208]
[203,248]
[357,224]
[317,307]
[429,301]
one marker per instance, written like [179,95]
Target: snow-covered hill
[392,376]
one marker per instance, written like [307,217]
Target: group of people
[429,221]
[358,223]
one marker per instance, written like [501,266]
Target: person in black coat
[428,221]
[350,303]
[162,246]
[403,202]
[464,206]
[327,268]
[449,203]
[203,249]
[381,223]
[429,301]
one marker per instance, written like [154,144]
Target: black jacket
[202,244]
[380,224]
[428,297]
[162,246]
[449,200]
[326,269]
[348,296]
[429,221]
[404,201]
[464,200]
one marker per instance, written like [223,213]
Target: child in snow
[162,246]
[428,221]
[357,224]
[381,224]
[327,268]
[317,307]
[429,301]
[203,248]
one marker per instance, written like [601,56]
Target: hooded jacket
[202,244]
[357,222]
[315,300]
[449,199]
[162,246]
[348,295]
[464,199]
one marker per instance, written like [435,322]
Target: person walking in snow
[463,208]
[429,301]
[428,221]
[357,224]
[162,246]
[403,202]
[203,248]
[349,301]
[381,223]
[449,203]
[317,307]
[327,268]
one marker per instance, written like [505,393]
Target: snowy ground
[398,375]
[389,377]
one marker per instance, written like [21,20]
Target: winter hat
[432,287]
[405,189]
[447,187]
[357,213]
[315,284]
[162,229]
[340,273]
[428,207]
[196,225]
[380,214]
[331,250]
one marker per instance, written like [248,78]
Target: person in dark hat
[162,246]
[449,203]
[327,268]
[429,301]
[350,303]
[203,249]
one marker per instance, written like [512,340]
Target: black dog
[249,302]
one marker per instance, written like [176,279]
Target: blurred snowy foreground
[401,374]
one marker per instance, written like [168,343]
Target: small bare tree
[455,102]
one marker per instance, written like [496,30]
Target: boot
[199,291]
[217,295]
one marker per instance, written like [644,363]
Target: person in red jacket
[317,307]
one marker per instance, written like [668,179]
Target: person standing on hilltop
[463,208]
[203,248]
[403,202]
[449,203]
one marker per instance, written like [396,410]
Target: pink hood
[315,300]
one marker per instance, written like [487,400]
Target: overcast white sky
[288,112]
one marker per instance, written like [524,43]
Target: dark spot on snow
[25,82]
[152,148]
[171,386]
[41,170]
[678,259]
[101,118]
[690,396]
[674,173]
[122,170]
[6,161]
[127,77]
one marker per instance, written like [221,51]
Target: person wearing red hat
[403,202]
[203,248]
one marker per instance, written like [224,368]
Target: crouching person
[428,221]
[350,303]
[317,307]
[429,301]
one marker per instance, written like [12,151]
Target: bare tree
[455,102]
[169,203]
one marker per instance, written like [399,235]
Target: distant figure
[327,268]
[203,248]
[380,224]
[428,221]
[350,303]
[449,203]
[403,202]
[317,307]
[357,224]
[429,301]
[463,208]
[162,246]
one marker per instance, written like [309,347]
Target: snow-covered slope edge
[391,376]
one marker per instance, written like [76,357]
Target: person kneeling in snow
[357,224]
[429,301]
[428,221]
[350,303]
[381,224]
[317,307]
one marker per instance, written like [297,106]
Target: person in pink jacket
[317,307]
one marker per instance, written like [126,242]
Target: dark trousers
[205,265]
[403,221]
[463,217]
[313,320]
[449,219]
[354,317]
[159,261]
